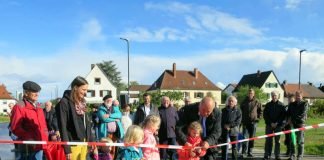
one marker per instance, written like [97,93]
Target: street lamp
[127,67]
[300,52]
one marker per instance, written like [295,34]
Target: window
[271,85]
[104,93]
[91,93]
[4,102]
[199,94]
[97,81]
[186,94]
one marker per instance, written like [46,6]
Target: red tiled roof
[183,80]
[4,94]
[139,88]
[309,91]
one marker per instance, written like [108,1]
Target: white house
[267,81]
[99,85]
[5,100]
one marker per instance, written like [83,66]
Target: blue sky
[51,42]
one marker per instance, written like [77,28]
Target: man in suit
[209,116]
[144,110]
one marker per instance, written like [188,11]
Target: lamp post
[127,41]
[300,53]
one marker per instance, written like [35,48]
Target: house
[134,92]
[193,84]
[229,88]
[267,81]
[99,85]
[310,92]
[5,99]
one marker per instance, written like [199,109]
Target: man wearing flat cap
[28,122]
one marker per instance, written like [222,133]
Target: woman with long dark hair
[73,122]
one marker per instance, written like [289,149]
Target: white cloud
[91,31]
[292,4]
[198,20]
[141,34]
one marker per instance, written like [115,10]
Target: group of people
[197,126]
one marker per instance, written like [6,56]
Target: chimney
[284,82]
[258,73]
[196,73]
[174,70]
[92,66]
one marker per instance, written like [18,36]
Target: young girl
[151,125]
[103,152]
[194,140]
[134,136]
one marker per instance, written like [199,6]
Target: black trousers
[225,148]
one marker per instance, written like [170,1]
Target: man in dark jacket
[297,114]
[51,121]
[206,113]
[231,120]
[274,114]
[144,110]
[169,118]
[251,113]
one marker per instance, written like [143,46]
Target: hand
[106,116]
[117,120]
[198,150]
[205,145]
[192,154]
[227,127]
[289,121]
[273,125]
[116,103]
[68,156]
[187,144]
[54,137]
[57,133]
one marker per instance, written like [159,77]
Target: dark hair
[77,82]
[145,95]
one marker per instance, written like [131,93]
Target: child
[134,136]
[194,139]
[151,125]
[103,152]
[126,119]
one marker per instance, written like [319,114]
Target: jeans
[248,132]
[269,143]
[168,153]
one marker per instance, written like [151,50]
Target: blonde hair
[195,126]
[106,139]
[134,135]
[151,120]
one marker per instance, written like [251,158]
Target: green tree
[224,97]
[133,83]
[244,90]
[113,74]
[157,96]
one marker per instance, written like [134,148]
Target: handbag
[111,127]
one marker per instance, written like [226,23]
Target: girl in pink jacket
[151,125]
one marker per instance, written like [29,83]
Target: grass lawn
[314,138]
[4,119]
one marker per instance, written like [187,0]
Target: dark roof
[184,80]
[255,79]
[142,88]
[4,94]
[309,91]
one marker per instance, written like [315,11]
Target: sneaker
[250,155]
[266,158]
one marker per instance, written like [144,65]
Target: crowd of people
[196,126]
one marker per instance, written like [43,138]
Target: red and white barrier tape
[159,145]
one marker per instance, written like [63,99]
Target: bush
[317,109]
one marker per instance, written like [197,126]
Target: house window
[97,81]
[186,94]
[91,93]
[271,85]
[199,94]
[4,102]
[105,92]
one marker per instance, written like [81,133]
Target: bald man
[209,117]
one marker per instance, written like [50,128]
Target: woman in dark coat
[73,122]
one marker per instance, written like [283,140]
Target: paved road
[5,149]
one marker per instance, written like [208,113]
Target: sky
[51,42]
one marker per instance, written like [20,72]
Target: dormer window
[97,81]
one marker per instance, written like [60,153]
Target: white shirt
[147,109]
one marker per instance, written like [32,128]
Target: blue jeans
[36,155]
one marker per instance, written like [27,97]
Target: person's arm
[259,110]
[104,117]
[237,120]
[216,132]
[62,111]
[146,150]
[303,114]
[182,125]
[137,116]
[266,115]
[17,124]
[116,114]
